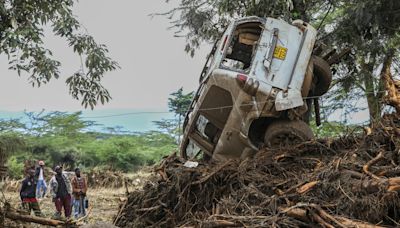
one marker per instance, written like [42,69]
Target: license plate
[280,52]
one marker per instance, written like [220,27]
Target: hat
[41,162]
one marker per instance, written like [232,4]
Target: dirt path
[104,203]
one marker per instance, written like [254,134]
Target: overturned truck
[256,89]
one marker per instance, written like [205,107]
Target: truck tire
[287,132]
[308,78]
[323,76]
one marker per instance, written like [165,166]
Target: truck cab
[253,90]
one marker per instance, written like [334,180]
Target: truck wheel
[307,115]
[287,132]
[308,79]
[323,74]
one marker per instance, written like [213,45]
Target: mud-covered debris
[351,181]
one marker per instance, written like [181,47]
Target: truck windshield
[242,46]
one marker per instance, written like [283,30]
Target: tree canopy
[22,24]
[68,138]
[179,104]
[370,28]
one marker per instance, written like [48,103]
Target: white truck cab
[253,90]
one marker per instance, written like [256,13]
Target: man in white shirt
[41,182]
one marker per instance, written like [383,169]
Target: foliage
[204,21]
[168,126]
[370,28]
[21,39]
[56,123]
[63,138]
[15,168]
[333,129]
[9,142]
[11,125]
[179,104]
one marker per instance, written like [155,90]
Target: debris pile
[105,179]
[351,181]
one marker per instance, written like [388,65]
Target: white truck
[254,90]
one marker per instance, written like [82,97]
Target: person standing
[60,188]
[28,193]
[41,182]
[79,189]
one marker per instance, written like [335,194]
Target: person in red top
[79,189]
[28,194]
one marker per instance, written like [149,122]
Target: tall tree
[178,103]
[21,39]
[57,123]
[369,27]
[204,20]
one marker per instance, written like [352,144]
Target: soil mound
[351,181]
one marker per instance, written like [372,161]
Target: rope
[203,109]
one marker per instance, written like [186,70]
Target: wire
[204,109]
[326,15]
[124,114]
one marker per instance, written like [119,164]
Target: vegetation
[179,104]
[65,138]
[21,39]
[370,28]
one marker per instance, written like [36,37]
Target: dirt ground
[103,201]
[104,204]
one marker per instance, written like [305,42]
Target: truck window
[207,129]
[193,152]
[242,46]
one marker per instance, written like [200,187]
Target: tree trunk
[28,218]
[393,91]
[371,90]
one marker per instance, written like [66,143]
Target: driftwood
[372,162]
[351,182]
[307,187]
[315,213]
[392,86]
[34,219]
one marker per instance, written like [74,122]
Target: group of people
[65,193]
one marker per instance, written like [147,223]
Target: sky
[153,65]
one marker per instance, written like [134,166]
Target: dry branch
[307,187]
[371,163]
[336,175]
[28,218]
[340,221]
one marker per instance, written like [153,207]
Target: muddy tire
[308,78]
[323,76]
[287,132]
